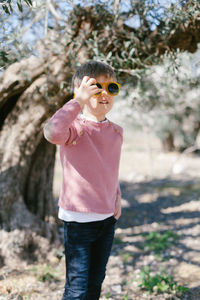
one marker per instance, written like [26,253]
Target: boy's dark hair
[92,69]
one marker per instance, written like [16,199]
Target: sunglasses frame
[105,85]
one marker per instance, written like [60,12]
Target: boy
[90,198]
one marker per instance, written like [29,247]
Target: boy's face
[100,105]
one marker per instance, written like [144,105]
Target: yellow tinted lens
[99,86]
[113,88]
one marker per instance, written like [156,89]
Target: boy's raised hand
[86,90]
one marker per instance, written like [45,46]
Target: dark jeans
[87,249]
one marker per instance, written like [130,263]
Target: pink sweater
[90,156]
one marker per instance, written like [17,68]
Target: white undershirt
[69,216]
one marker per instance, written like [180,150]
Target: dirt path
[161,194]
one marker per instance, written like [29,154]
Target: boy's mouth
[103,102]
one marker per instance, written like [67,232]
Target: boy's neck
[98,118]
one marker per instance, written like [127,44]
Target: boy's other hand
[118,207]
[86,90]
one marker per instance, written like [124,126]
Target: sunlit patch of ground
[34,282]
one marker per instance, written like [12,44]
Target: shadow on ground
[161,205]
[139,213]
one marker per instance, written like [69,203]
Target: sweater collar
[91,120]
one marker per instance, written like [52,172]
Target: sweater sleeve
[59,128]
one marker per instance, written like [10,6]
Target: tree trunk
[30,93]
[27,160]
[168,143]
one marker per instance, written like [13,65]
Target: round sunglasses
[112,88]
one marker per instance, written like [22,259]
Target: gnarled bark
[30,93]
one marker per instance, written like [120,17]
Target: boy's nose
[104,92]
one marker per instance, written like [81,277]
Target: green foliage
[159,283]
[46,277]
[7,5]
[127,256]
[117,241]
[27,296]
[108,295]
[45,273]
[132,49]
[3,57]
[7,58]
[159,241]
[126,49]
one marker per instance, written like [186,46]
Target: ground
[161,197]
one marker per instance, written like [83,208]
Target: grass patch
[45,273]
[159,241]
[108,295]
[117,241]
[159,283]
[127,257]
[47,276]
[27,296]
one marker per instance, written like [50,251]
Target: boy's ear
[75,89]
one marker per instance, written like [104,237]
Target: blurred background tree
[151,44]
[165,99]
